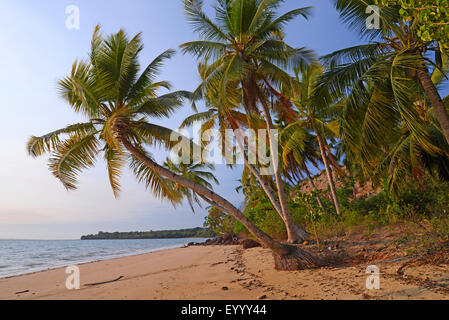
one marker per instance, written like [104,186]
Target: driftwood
[20,292]
[104,282]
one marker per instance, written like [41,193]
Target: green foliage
[427,202]
[432,16]
[388,125]
[199,173]
[242,47]
[164,234]
[120,103]
[260,211]
[219,222]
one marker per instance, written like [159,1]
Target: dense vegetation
[432,14]
[424,204]
[369,114]
[163,234]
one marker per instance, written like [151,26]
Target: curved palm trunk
[436,100]
[331,157]
[268,190]
[286,257]
[265,186]
[295,234]
[328,170]
[214,204]
[318,198]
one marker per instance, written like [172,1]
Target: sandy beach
[224,273]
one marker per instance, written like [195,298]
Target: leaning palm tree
[249,57]
[388,88]
[395,53]
[118,103]
[229,116]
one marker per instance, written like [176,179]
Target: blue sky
[38,49]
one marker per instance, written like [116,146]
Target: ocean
[26,256]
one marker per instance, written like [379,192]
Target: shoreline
[218,273]
[87,262]
[111,257]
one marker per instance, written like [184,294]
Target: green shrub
[427,201]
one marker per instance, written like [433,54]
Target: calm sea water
[26,256]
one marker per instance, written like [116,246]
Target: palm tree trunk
[295,234]
[328,170]
[214,204]
[286,257]
[318,198]
[331,158]
[435,100]
[266,187]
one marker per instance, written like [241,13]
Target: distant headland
[163,234]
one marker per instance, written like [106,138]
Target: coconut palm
[395,57]
[299,149]
[231,117]
[406,159]
[385,112]
[108,91]
[383,146]
[249,56]
[315,114]
[200,173]
[119,104]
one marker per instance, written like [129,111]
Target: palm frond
[204,48]
[37,146]
[198,117]
[72,156]
[139,90]
[159,186]
[164,105]
[81,90]
[201,23]
[115,161]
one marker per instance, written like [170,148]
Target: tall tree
[316,113]
[119,103]
[299,149]
[396,49]
[249,56]
[232,117]
[390,121]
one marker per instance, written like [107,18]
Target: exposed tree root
[295,259]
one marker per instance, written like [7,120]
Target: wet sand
[224,273]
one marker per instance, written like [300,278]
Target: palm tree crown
[116,100]
[394,121]
[246,44]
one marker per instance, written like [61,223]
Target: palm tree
[118,103]
[396,53]
[196,172]
[299,148]
[387,125]
[249,54]
[230,117]
[406,159]
[314,114]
